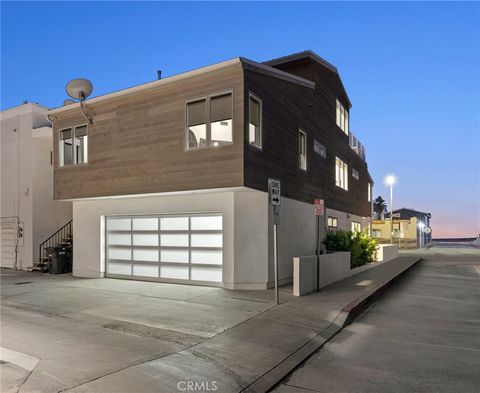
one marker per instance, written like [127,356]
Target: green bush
[362,248]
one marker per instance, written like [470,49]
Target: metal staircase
[61,238]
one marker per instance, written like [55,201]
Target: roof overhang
[308,54]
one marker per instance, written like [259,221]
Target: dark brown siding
[287,108]
[137,143]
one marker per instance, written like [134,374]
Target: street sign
[319,206]
[427,230]
[274,192]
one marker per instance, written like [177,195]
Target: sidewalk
[238,340]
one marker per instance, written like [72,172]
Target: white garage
[181,248]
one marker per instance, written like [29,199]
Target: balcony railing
[356,146]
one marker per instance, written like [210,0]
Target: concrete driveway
[86,328]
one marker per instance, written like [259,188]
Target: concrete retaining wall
[387,252]
[304,275]
[334,267]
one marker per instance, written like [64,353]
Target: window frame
[369,192]
[342,117]
[73,127]
[344,174]
[260,101]
[357,178]
[208,122]
[356,224]
[316,141]
[333,220]
[300,133]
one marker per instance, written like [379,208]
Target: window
[319,148]
[255,122]
[221,118]
[65,147]
[342,118]
[212,127]
[356,226]
[332,222]
[341,174]
[376,233]
[302,150]
[73,146]
[369,192]
[355,174]
[81,145]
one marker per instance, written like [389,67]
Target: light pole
[390,180]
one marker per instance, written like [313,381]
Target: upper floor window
[302,150]
[255,121]
[341,174]
[319,148]
[355,174]
[342,118]
[369,192]
[73,145]
[209,121]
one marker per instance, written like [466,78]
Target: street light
[390,180]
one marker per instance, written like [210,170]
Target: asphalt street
[422,335]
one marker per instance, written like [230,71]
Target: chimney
[159,74]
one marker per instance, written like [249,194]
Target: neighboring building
[169,182]
[411,228]
[29,215]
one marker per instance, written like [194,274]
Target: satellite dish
[68,101]
[79,88]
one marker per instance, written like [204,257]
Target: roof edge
[146,86]
[276,73]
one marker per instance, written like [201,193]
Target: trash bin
[58,263]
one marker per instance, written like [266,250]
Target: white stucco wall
[26,181]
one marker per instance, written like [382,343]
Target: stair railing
[58,237]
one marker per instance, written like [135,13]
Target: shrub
[362,248]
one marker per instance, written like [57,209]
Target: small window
[332,222]
[319,148]
[376,233]
[221,119]
[81,145]
[341,174]
[255,122]
[342,117]
[197,124]
[302,150]
[66,147]
[355,174]
[369,192]
[356,226]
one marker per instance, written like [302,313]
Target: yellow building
[406,232]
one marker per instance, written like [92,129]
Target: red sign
[319,206]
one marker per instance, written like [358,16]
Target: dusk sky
[411,71]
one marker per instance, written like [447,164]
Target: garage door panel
[145,270]
[173,247]
[119,268]
[203,273]
[212,257]
[145,239]
[179,272]
[172,255]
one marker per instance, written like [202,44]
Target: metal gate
[170,248]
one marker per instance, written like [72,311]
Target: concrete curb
[345,317]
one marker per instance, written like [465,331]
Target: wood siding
[137,143]
[286,109]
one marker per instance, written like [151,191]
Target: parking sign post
[319,208]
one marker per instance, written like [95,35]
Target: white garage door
[171,248]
